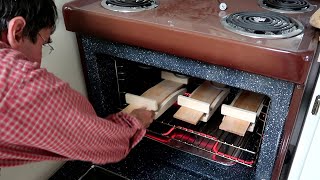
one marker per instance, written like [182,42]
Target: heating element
[286,6]
[262,25]
[129,5]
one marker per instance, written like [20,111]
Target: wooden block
[141,101]
[188,115]
[206,92]
[315,19]
[158,98]
[172,77]
[238,113]
[233,125]
[249,101]
[215,104]
[129,108]
[168,102]
[162,90]
[193,104]
[245,106]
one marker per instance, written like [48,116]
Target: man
[41,117]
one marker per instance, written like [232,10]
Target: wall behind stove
[63,62]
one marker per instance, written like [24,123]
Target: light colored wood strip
[167,103]
[249,101]
[170,76]
[206,92]
[234,125]
[162,90]
[129,108]
[188,115]
[141,101]
[315,19]
[238,113]
[215,104]
[194,104]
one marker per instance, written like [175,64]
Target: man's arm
[47,117]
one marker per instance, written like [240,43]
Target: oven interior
[205,139]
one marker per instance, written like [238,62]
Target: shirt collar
[4,45]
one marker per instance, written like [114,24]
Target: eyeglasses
[46,47]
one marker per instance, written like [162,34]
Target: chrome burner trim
[128,9]
[264,6]
[282,36]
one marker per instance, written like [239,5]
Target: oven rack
[205,140]
[216,145]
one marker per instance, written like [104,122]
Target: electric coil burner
[286,6]
[129,5]
[267,25]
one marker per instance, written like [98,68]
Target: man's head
[26,25]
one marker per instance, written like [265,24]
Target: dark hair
[38,14]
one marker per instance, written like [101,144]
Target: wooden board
[207,93]
[188,115]
[162,90]
[249,101]
[172,77]
[315,19]
[141,101]
[234,125]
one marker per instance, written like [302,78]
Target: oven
[125,50]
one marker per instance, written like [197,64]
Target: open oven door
[306,160]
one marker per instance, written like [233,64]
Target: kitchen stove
[287,6]
[129,5]
[193,38]
[262,25]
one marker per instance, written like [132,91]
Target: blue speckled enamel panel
[279,91]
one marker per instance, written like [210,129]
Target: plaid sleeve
[44,119]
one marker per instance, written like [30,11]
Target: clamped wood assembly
[241,114]
[202,103]
[160,97]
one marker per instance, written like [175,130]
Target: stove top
[251,35]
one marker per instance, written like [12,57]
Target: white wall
[65,63]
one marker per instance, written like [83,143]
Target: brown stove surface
[193,29]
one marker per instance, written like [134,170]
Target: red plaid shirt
[42,118]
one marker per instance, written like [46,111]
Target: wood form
[315,22]
[158,98]
[202,103]
[241,114]
[315,19]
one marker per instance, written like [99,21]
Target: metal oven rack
[204,139]
[208,141]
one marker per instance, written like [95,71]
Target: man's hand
[144,116]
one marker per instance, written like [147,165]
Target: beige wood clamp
[243,110]
[202,103]
[315,22]
[160,97]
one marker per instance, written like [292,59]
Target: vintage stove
[266,46]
